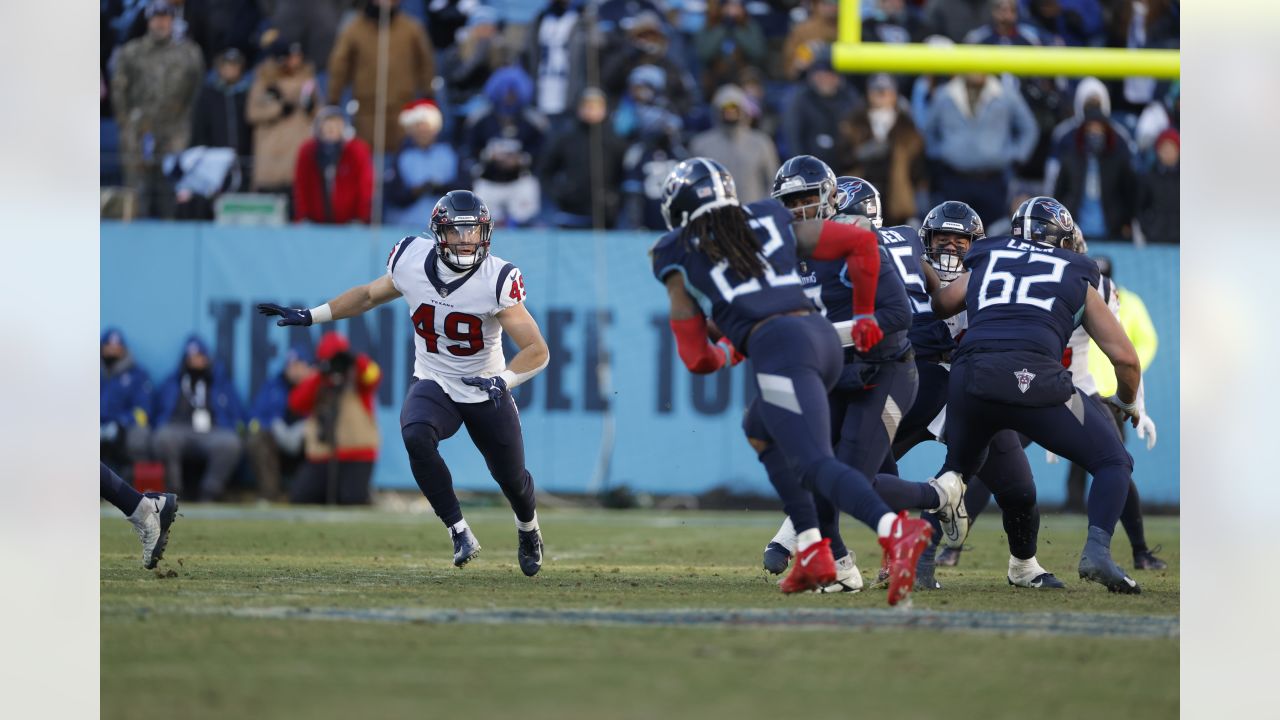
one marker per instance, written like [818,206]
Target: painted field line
[1074,624]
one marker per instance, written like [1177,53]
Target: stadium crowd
[570,114]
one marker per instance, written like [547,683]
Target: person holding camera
[341,432]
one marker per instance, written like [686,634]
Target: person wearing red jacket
[333,177]
[341,431]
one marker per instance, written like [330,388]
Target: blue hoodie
[223,401]
[124,390]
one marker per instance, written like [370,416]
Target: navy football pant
[430,416]
[117,491]
[1078,430]
[797,361]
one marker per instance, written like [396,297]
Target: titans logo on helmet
[847,190]
[1059,213]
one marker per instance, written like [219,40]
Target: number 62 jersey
[456,331]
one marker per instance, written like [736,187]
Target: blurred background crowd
[570,113]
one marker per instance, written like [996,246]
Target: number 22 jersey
[456,331]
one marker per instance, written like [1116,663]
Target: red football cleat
[909,538]
[813,568]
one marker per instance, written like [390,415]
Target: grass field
[327,614]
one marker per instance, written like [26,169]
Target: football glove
[495,386]
[865,332]
[288,316]
[1131,411]
[1147,430]
[731,352]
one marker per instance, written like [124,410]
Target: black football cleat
[1147,560]
[776,558]
[1096,564]
[465,547]
[530,552]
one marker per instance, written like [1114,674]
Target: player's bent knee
[420,439]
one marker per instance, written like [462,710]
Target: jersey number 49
[458,326]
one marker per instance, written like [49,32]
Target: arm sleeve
[861,250]
[695,350]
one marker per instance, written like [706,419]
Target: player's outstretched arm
[533,355]
[950,300]
[355,301]
[1105,330]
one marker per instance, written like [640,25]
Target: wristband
[321,314]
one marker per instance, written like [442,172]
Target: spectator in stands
[354,64]
[216,25]
[314,23]
[647,44]
[481,49]
[281,107]
[124,404]
[275,431]
[1139,24]
[220,118]
[1004,28]
[424,168]
[955,18]
[341,430]
[749,155]
[333,178]
[153,91]
[652,156]
[646,95]
[731,41]
[884,146]
[1157,117]
[975,131]
[1158,210]
[818,28]
[580,167]
[503,140]
[198,415]
[764,108]
[1090,93]
[549,58]
[1097,181]
[889,22]
[1064,22]
[811,121]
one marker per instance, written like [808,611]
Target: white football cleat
[951,514]
[848,577]
[151,521]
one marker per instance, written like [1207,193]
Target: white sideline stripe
[778,390]
[1078,624]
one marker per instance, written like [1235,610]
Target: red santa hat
[421,111]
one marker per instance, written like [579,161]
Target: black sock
[1131,518]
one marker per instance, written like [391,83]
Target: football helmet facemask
[946,255]
[462,229]
[805,177]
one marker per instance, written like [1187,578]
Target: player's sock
[786,535]
[829,525]
[901,494]
[117,492]
[1131,518]
[430,471]
[884,525]
[527,526]
[1022,526]
[847,489]
[458,527]
[519,492]
[1109,489]
[807,538]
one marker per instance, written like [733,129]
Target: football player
[460,300]
[740,263]
[1024,295]
[151,514]
[875,386]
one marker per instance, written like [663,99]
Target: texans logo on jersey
[846,191]
[1059,213]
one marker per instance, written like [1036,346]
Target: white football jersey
[1078,343]
[456,333]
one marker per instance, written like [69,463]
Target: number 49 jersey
[456,331]
[1023,295]
[735,303]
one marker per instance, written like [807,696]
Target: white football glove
[1147,430]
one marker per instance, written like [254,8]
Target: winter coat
[1158,204]
[955,18]
[154,87]
[416,179]
[1001,131]
[352,194]
[896,165]
[566,175]
[356,428]
[354,62]
[220,119]
[813,29]
[224,403]
[811,122]
[749,156]
[280,124]
[272,402]
[124,391]
[724,50]
[1115,174]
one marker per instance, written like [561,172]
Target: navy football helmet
[1044,221]
[801,177]
[696,186]
[858,197]
[460,220]
[955,217]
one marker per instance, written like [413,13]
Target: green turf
[216,666]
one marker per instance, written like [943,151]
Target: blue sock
[901,494]
[1107,495]
[117,491]
[829,524]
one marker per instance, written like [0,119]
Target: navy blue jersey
[1025,296]
[826,282]
[928,335]
[735,303]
